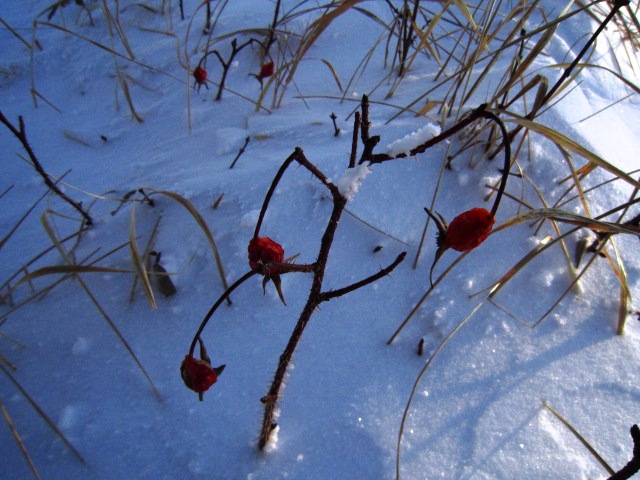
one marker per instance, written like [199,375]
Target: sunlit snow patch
[272,443]
[349,182]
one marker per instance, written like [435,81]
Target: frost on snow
[349,182]
[413,140]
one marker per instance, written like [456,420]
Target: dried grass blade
[21,445]
[571,145]
[421,375]
[127,95]
[315,30]
[203,226]
[118,28]
[116,330]
[334,73]
[145,255]
[424,297]
[106,49]
[49,229]
[528,60]
[426,34]
[620,77]
[428,106]
[87,39]
[69,270]
[138,262]
[52,235]
[462,6]
[571,218]
[623,308]
[582,440]
[16,34]
[43,415]
[497,286]
[625,294]
[47,289]
[21,219]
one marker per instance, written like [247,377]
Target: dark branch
[633,467]
[21,135]
[326,296]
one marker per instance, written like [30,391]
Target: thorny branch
[268,262]
[316,295]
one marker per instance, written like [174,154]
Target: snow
[349,183]
[478,412]
[411,141]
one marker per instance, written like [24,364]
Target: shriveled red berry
[263,251]
[200,74]
[197,375]
[266,71]
[468,230]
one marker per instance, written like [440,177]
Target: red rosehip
[464,233]
[468,230]
[266,71]
[263,251]
[200,74]
[198,374]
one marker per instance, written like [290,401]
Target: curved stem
[506,144]
[272,188]
[298,156]
[215,306]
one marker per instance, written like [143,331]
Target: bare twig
[240,152]
[336,130]
[21,134]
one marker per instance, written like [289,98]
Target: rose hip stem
[506,144]
[297,156]
[215,306]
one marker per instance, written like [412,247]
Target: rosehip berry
[464,233]
[263,251]
[198,375]
[200,74]
[266,71]
[468,230]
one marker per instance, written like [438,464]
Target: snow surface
[478,412]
